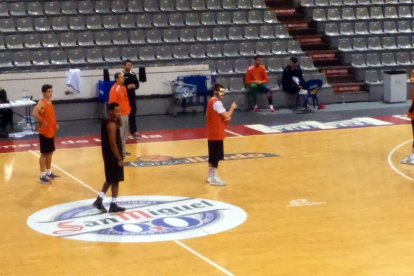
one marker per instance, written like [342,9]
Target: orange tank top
[49,116]
[215,123]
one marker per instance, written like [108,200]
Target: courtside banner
[314,125]
[163,160]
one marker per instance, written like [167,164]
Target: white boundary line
[69,175]
[234,133]
[392,165]
[225,271]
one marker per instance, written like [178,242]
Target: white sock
[42,174]
[412,155]
[271,106]
[214,174]
[49,171]
[210,171]
[114,200]
[255,107]
[102,195]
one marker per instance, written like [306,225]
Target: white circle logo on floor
[147,219]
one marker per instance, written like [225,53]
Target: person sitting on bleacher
[292,78]
[256,80]
[6,114]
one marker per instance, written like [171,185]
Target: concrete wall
[30,83]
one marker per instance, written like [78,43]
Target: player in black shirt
[132,84]
[112,156]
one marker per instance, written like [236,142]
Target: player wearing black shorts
[113,160]
[44,112]
[217,118]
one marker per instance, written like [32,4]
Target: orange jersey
[119,95]
[254,74]
[215,123]
[49,117]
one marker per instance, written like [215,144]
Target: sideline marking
[234,133]
[69,175]
[392,165]
[204,258]
[189,249]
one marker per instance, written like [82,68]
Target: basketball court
[332,201]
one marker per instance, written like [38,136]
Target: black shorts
[47,145]
[113,172]
[215,151]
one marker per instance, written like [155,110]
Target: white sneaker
[216,181]
[208,179]
[408,161]
[303,92]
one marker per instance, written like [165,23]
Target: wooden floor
[358,218]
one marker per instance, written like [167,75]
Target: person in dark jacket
[6,114]
[132,84]
[292,78]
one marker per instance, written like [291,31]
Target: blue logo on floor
[147,219]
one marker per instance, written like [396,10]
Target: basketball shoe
[53,176]
[409,160]
[216,181]
[113,208]
[44,180]
[98,205]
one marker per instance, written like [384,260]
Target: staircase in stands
[316,45]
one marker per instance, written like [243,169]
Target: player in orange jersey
[217,118]
[44,113]
[119,95]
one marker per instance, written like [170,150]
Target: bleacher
[226,34]
[372,35]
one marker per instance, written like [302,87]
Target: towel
[73,80]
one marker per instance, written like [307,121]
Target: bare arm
[227,115]
[38,111]
[111,127]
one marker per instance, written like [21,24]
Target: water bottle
[24,94]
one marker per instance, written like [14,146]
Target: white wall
[30,83]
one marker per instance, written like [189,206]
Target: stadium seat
[50,40]
[135,6]
[33,8]
[68,7]
[208,19]
[197,51]
[40,58]
[84,39]
[146,53]
[111,55]
[163,52]
[22,58]
[213,51]
[41,24]
[68,39]
[85,7]
[52,7]
[58,57]
[32,40]
[103,38]
[24,24]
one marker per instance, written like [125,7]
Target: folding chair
[313,87]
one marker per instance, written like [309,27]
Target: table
[27,103]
